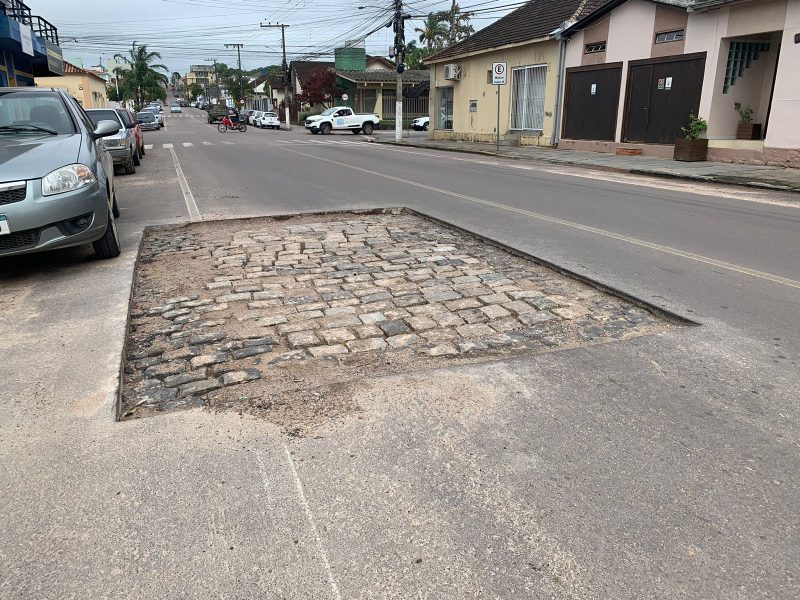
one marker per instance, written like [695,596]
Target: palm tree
[459,24]
[140,78]
[433,31]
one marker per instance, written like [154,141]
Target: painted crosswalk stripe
[187,144]
[148,146]
[166,146]
[208,143]
[228,143]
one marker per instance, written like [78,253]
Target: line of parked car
[261,118]
[57,178]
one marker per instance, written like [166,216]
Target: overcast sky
[195,31]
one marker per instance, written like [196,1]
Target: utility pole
[216,83]
[399,56]
[285,68]
[239,59]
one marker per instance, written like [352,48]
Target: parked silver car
[122,145]
[56,178]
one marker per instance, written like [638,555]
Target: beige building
[83,85]
[464,103]
[637,68]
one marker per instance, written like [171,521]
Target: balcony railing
[19,11]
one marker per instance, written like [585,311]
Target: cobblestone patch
[259,314]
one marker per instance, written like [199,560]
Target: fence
[412,107]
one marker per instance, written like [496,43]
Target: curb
[728,180]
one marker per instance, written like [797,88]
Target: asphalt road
[664,466]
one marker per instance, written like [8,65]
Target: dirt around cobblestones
[281,317]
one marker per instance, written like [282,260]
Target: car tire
[130,167]
[108,245]
[425,127]
[136,160]
[141,150]
[355,131]
[368,128]
[115,206]
[313,132]
[325,128]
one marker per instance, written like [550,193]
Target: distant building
[28,46]
[88,88]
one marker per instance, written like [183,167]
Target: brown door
[661,94]
[590,103]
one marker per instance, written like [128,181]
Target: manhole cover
[259,314]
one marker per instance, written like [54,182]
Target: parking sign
[499,73]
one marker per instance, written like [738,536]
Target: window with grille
[369,98]
[669,36]
[595,47]
[446,108]
[527,98]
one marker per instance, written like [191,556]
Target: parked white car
[269,120]
[342,117]
[252,118]
[420,123]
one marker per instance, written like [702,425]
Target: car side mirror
[105,129]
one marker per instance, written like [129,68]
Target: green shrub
[301,117]
[696,127]
[389,124]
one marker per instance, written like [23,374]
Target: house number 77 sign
[499,73]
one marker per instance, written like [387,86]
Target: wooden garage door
[661,93]
[590,102]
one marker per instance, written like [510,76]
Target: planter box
[748,131]
[691,150]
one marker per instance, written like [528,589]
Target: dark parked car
[56,178]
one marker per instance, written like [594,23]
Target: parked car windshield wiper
[27,128]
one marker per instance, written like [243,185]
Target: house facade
[635,69]
[464,103]
[29,46]
[88,88]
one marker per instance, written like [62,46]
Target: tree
[321,88]
[194,90]
[415,55]
[458,24]
[140,79]
[433,32]
[235,81]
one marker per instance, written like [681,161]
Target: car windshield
[146,117]
[270,115]
[34,112]
[102,115]
[329,112]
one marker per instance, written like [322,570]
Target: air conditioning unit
[452,72]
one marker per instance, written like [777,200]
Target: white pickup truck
[342,117]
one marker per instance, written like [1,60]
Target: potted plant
[691,148]
[747,130]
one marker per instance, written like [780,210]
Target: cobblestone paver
[221,312]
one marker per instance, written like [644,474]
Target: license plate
[4,228]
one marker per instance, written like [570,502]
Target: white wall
[784,120]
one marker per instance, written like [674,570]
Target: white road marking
[313,524]
[187,144]
[188,197]
[166,146]
[229,143]
[208,143]
[542,217]
[148,146]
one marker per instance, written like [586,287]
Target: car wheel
[313,132]
[108,245]
[136,160]
[425,127]
[325,128]
[115,206]
[367,128]
[141,150]
[130,167]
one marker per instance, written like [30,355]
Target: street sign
[241,102]
[499,73]
[345,97]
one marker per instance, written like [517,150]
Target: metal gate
[591,99]
[661,94]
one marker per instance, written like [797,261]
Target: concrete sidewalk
[764,176]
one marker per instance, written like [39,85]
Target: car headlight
[67,179]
